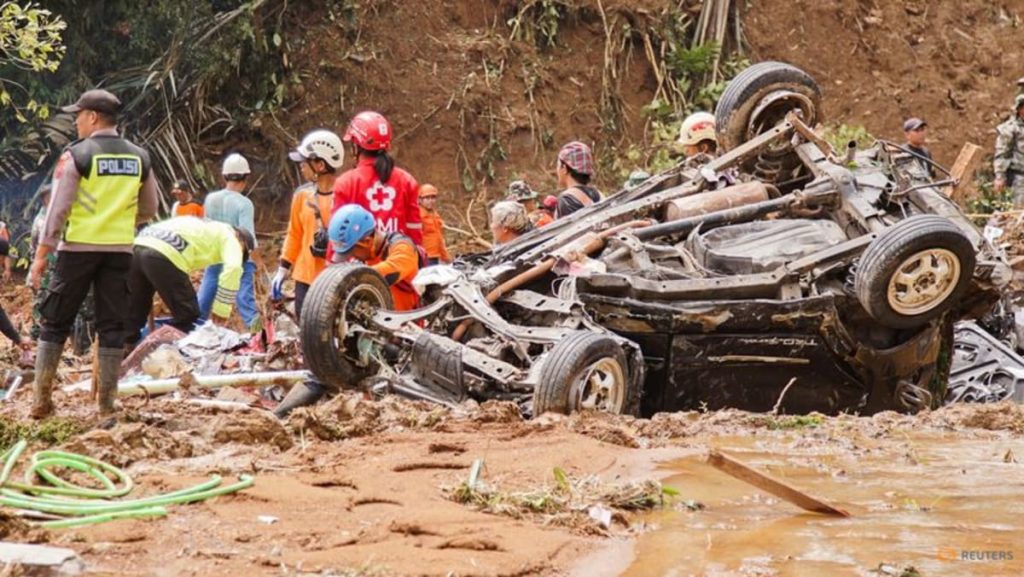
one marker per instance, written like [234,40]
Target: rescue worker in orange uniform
[185,203]
[433,226]
[520,191]
[304,252]
[354,236]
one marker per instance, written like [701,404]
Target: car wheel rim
[774,106]
[923,281]
[359,303]
[602,387]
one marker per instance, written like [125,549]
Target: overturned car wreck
[810,280]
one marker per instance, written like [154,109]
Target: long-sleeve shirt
[192,244]
[398,262]
[65,191]
[232,208]
[433,235]
[394,204]
[1009,153]
[302,226]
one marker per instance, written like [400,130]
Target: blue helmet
[349,225]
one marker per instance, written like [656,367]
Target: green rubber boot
[47,360]
[109,371]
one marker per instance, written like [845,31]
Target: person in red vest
[388,192]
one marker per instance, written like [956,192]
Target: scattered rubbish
[58,560]
[769,484]
[267,519]
[166,361]
[210,338]
[601,514]
[585,504]
[80,505]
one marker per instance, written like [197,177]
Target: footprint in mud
[470,544]
[446,448]
[333,482]
[362,501]
[411,529]
[418,466]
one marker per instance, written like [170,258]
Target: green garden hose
[86,505]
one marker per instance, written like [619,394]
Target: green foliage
[537,21]
[841,135]
[30,42]
[53,431]
[810,421]
[988,200]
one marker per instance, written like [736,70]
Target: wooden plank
[770,484]
[963,171]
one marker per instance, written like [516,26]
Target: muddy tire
[328,346]
[586,371]
[759,97]
[914,271]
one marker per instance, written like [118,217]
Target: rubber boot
[109,372]
[301,395]
[47,359]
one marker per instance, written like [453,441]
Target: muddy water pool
[942,504]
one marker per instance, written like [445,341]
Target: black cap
[913,124]
[96,100]
[181,184]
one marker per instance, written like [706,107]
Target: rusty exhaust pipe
[716,200]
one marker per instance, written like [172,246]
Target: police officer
[1009,157]
[103,186]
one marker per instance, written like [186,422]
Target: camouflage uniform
[84,323]
[1008,163]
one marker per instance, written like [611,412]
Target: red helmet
[550,202]
[370,130]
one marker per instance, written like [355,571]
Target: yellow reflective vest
[192,244]
[112,172]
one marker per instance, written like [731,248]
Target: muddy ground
[362,487]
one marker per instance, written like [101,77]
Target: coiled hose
[85,505]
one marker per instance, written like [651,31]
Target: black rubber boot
[108,373]
[47,361]
[301,395]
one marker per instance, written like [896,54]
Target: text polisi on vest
[118,167]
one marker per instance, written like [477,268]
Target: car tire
[579,364]
[914,271]
[327,346]
[743,111]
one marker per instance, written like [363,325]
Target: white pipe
[161,386]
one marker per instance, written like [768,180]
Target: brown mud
[366,486]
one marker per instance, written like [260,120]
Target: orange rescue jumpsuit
[302,225]
[433,235]
[398,262]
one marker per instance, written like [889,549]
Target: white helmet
[697,127]
[322,144]
[235,164]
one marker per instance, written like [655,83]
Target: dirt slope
[954,64]
[475,106]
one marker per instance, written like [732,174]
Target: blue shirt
[230,207]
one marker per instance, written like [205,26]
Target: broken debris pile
[212,357]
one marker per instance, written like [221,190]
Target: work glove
[277,285]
